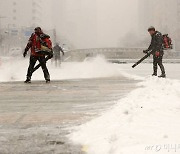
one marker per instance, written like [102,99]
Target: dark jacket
[57,49]
[156,43]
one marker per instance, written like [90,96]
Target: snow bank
[16,69]
[144,122]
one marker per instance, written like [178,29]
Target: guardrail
[116,54]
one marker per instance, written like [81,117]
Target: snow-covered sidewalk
[146,121]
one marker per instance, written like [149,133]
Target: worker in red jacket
[40,45]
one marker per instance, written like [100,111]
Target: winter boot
[154,74]
[28,80]
[47,80]
[163,73]
[162,76]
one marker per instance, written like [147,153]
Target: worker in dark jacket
[57,54]
[156,47]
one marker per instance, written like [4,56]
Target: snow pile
[16,69]
[146,121]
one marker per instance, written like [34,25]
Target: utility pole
[55,35]
[1,17]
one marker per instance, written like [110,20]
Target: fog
[114,23]
[164,15]
[95,23]
[91,23]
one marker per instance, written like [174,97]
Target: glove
[25,52]
[157,53]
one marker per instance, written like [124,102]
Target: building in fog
[164,15]
[18,19]
[161,13]
[20,13]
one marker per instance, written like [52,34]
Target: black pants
[32,62]
[158,61]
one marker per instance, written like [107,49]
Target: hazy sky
[79,23]
[94,23]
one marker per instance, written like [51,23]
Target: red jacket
[35,42]
[48,42]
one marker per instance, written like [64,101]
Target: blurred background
[84,24]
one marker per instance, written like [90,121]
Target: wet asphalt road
[35,118]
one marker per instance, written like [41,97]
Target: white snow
[145,69]
[146,121]
[16,69]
